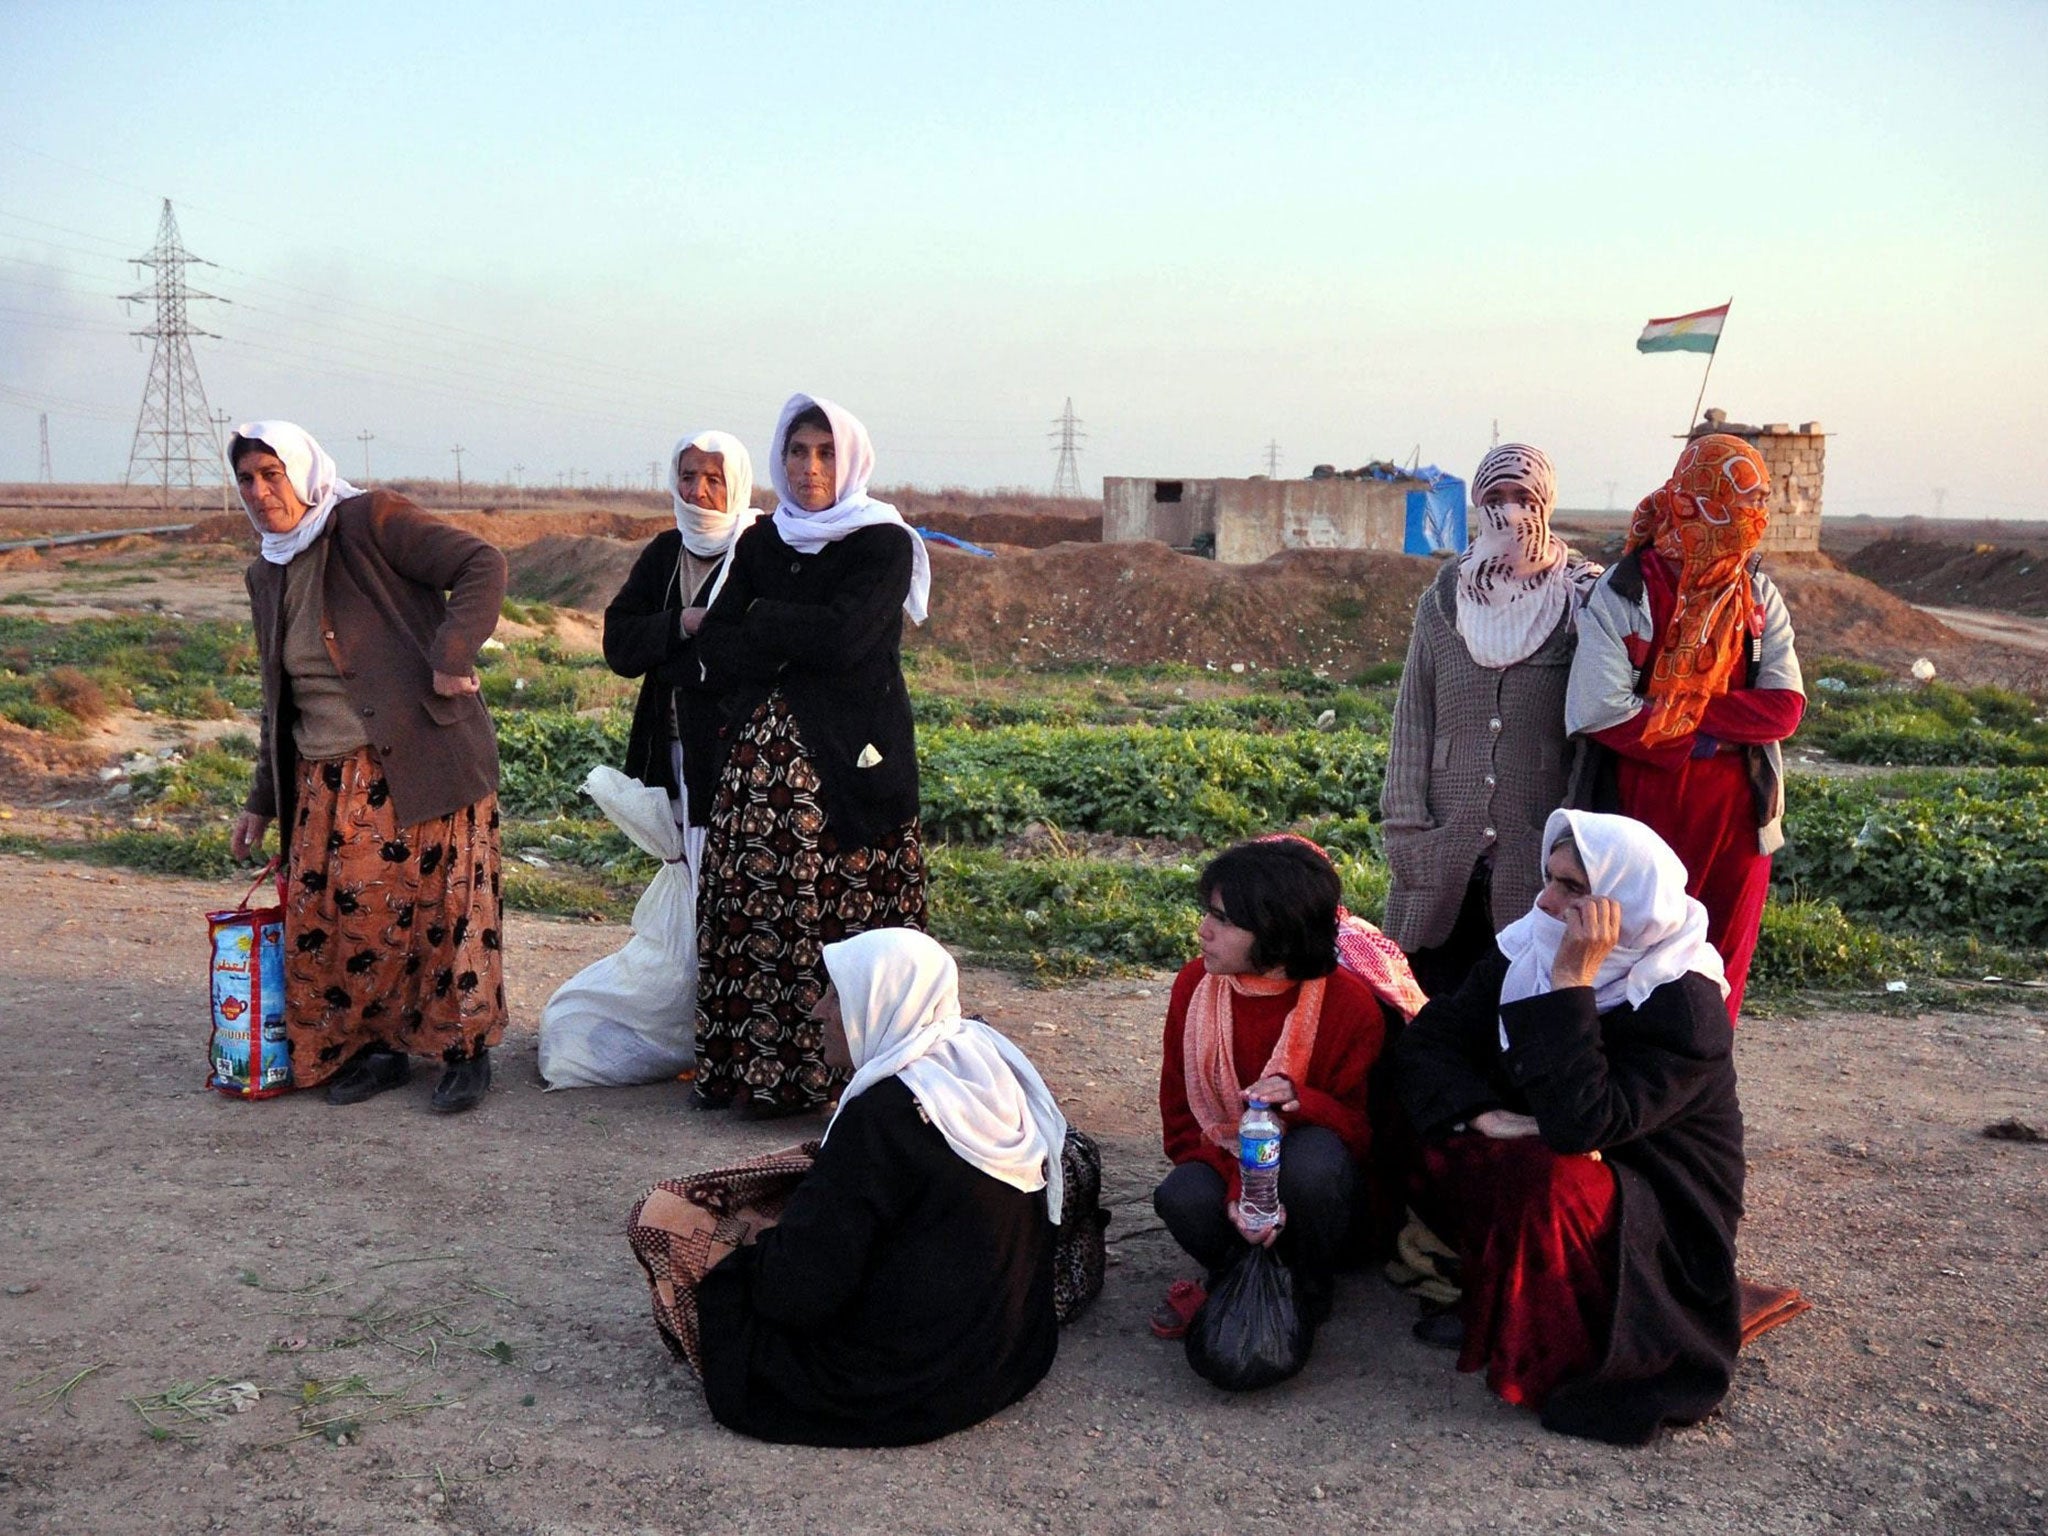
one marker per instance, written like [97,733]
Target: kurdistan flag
[1699,331]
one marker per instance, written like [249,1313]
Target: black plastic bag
[1252,1331]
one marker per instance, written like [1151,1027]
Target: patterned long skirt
[391,934]
[777,888]
[1536,1235]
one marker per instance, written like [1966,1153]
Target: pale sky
[563,235]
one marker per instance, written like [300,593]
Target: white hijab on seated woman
[1663,930]
[708,534]
[853,461]
[899,997]
[313,476]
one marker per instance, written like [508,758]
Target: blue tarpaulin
[1436,516]
[933,536]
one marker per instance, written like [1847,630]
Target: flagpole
[1701,398]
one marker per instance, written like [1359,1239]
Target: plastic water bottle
[1258,1163]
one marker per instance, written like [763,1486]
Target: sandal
[1184,1299]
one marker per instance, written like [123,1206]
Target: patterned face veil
[1515,579]
[1704,522]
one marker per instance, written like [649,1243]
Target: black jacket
[643,638]
[827,629]
[904,1295]
[1653,1091]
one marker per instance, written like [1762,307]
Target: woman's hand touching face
[1592,924]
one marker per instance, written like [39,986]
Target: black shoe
[371,1072]
[1441,1328]
[464,1084]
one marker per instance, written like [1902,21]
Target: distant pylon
[1273,459]
[1066,479]
[174,447]
[43,427]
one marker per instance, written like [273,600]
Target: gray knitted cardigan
[1479,759]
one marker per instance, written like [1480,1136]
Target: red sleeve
[1348,1042]
[1627,740]
[1185,1142]
[1751,717]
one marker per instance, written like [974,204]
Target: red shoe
[1184,1299]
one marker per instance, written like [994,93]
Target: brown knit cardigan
[1479,759]
[406,595]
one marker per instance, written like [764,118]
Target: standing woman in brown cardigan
[1479,757]
[379,763]
[814,831]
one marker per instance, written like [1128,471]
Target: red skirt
[1535,1234]
[1706,810]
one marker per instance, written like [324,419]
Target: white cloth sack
[632,1016]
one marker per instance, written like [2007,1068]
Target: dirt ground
[158,1234]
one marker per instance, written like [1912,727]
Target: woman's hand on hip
[1592,927]
[1276,1092]
[454,687]
[247,836]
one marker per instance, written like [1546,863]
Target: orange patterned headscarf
[1692,520]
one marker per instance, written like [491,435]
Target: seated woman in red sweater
[1265,1012]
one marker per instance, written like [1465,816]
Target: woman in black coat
[1584,1143]
[814,832]
[907,1291]
[650,628]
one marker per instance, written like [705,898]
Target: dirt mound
[221,528]
[1838,613]
[1015,518]
[1957,575]
[570,572]
[1337,610]
[511,530]
[34,766]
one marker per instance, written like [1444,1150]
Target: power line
[457,451]
[1273,459]
[366,437]
[174,430]
[220,431]
[1066,479]
[43,428]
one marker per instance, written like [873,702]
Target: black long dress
[904,1295]
[1653,1091]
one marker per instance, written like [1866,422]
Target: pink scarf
[1209,1058]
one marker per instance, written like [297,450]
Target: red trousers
[1535,1234]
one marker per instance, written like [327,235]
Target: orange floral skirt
[391,934]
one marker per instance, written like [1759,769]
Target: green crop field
[1067,811]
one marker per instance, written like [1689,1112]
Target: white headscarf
[853,458]
[899,993]
[1516,578]
[313,476]
[1663,930]
[707,534]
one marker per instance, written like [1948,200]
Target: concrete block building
[1797,460]
[1241,522]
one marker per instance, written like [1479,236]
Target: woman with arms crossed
[814,831]
[1684,684]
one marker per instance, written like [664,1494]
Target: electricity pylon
[174,446]
[1066,479]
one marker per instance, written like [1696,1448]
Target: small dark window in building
[1166,490]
